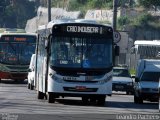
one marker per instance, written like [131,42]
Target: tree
[149,3]
[124,20]
[17,12]
[3,4]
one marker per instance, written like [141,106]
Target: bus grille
[19,75]
[81,81]
[72,89]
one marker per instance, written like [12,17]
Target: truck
[147,81]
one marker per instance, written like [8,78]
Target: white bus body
[67,64]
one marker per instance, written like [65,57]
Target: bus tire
[28,86]
[128,92]
[101,100]
[85,100]
[138,100]
[40,95]
[51,98]
[31,87]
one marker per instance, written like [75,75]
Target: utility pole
[115,14]
[114,25]
[49,10]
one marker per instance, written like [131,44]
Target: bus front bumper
[14,76]
[80,88]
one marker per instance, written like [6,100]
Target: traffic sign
[117,36]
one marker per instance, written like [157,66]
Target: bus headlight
[57,79]
[105,80]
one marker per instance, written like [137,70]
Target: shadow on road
[8,81]
[111,104]
[132,105]
[77,102]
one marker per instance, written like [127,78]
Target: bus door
[45,67]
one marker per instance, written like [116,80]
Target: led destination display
[18,38]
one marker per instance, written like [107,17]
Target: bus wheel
[128,93]
[101,100]
[40,95]
[51,98]
[29,86]
[138,100]
[85,100]
[0,80]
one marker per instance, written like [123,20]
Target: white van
[31,72]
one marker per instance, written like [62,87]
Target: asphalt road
[19,103]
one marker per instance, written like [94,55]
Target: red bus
[15,54]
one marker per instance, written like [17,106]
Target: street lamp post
[114,14]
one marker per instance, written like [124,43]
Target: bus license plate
[119,87]
[80,88]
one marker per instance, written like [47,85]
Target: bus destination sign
[84,29]
[59,29]
[15,39]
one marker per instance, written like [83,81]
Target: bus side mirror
[117,50]
[48,41]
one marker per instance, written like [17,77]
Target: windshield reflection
[16,53]
[81,52]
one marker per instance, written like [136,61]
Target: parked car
[122,80]
[31,72]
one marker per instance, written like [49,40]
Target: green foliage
[84,5]
[16,13]
[98,4]
[142,20]
[74,5]
[124,20]
[149,3]
[132,71]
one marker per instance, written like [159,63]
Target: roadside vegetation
[15,13]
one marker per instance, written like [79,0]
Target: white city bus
[147,49]
[75,58]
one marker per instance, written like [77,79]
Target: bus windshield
[14,52]
[78,52]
